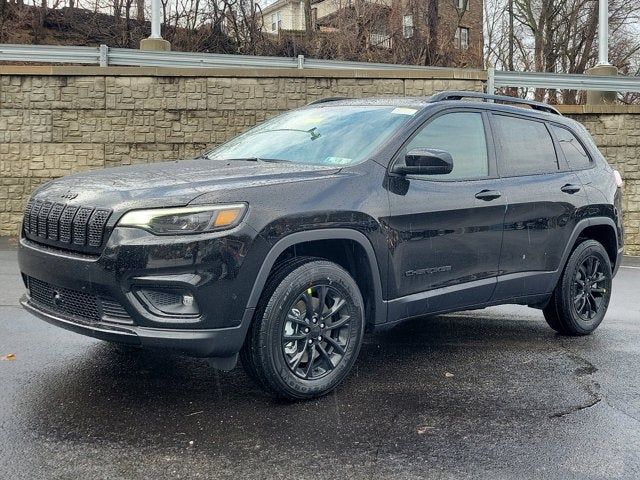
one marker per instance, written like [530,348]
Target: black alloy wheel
[316,333]
[592,287]
[581,297]
[307,329]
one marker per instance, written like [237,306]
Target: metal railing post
[491,80]
[300,62]
[104,56]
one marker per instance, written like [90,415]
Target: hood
[172,183]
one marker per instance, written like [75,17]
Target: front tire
[307,330]
[581,298]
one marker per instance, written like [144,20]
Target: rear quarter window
[524,146]
[575,154]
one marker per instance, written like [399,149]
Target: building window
[276,21]
[462,38]
[381,40]
[462,5]
[407,26]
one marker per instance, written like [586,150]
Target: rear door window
[573,151]
[525,147]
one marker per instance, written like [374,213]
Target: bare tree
[558,36]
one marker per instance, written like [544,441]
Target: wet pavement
[485,394]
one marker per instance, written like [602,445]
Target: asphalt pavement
[492,394]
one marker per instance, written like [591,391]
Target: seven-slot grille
[66,226]
[76,304]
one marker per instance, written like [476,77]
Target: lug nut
[306,330]
[310,341]
[319,337]
[322,325]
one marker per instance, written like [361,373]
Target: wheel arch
[309,242]
[601,229]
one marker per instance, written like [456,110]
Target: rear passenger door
[544,202]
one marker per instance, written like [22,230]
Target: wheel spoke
[293,364]
[298,320]
[308,303]
[599,278]
[340,323]
[595,266]
[589,309]
[322,298]
[294,338]
[326,357]
[310,361]
[582,305]
[336,307]
[336,346]
[593,302]
[583,272]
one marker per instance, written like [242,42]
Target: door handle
[570,189]
[488,195]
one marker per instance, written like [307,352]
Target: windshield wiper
[253,159]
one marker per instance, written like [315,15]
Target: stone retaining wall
[59,120]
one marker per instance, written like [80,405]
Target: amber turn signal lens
[226,217]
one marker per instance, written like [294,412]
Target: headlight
[180,220]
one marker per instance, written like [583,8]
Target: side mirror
[425,161]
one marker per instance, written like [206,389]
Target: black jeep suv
[285,244]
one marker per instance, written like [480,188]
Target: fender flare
[314,235]
[578,229]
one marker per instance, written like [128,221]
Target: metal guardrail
[105,56]
[561,81]
[49,54]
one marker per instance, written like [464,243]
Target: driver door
[448,228]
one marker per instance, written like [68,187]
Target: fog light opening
[173,302]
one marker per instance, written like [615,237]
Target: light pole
[603,67]
[155,40]
[603,32]
[155,19]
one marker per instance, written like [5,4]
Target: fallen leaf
[8,357]
[424,429]
[448,375]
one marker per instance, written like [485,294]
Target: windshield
[327,135]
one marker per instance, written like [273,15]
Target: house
[450,28]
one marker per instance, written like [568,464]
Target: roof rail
[543,107]
[328,99]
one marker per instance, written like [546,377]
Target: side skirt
[506,289]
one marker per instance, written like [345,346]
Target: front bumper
[223,342]
[218,270]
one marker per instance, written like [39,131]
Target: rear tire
[307,330]
[581,298]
